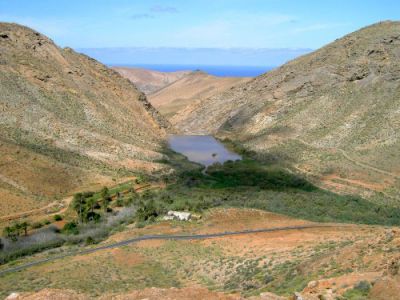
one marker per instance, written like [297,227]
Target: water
[221,71]
[202,149]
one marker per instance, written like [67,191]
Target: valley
[291,179]
[329,113]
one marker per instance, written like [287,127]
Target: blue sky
[197,24]
[207,23]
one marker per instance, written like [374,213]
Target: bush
[46,222]
[89,241]
[70,228]
[92,216]
[58,218]
[360,291]
[140,224]
[120,202]
[268,278]
[37,225]
[147,211]
[363,286]
[128,201]
[88,194]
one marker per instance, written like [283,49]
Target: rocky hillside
[334,113]
[149,81]
[190,89]
[66,121]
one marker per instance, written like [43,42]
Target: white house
[178,215]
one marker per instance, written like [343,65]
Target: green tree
[91,204]
[132,198]
[78,203]
[18,228]
[24,226]
[104,193]
[106,203]
[10,233]
[105,198]
[71,228]
[147,211]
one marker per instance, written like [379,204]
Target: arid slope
[334,113]
[66,121]
[149,81]
[190,89]
[317,263]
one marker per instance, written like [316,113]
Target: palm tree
[105,195]
[91,203]
[105,192]
[10,233]
[18,228]
[24,226]
[78,204]
[106,203]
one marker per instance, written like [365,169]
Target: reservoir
[202,149]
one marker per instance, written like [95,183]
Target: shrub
[87,194]
[140,224]
[92,216]
[147,211]
[89,241]
[360,291]
[57,218]
[363,286]
[37,225]
[70,228]
[120,202]
[128,201]
[268,278]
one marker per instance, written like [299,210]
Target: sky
[254,24]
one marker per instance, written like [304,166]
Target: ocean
[222,71]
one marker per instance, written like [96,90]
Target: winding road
[159,237]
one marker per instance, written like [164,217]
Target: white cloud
[164,9]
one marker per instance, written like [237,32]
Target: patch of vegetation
[249,173]
[246,277]
[57,218]
[288,279]
[250,184]
[95,221]
[359,292]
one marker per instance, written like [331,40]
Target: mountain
[149,81]
[190,89]
[333,114]
[67,122]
